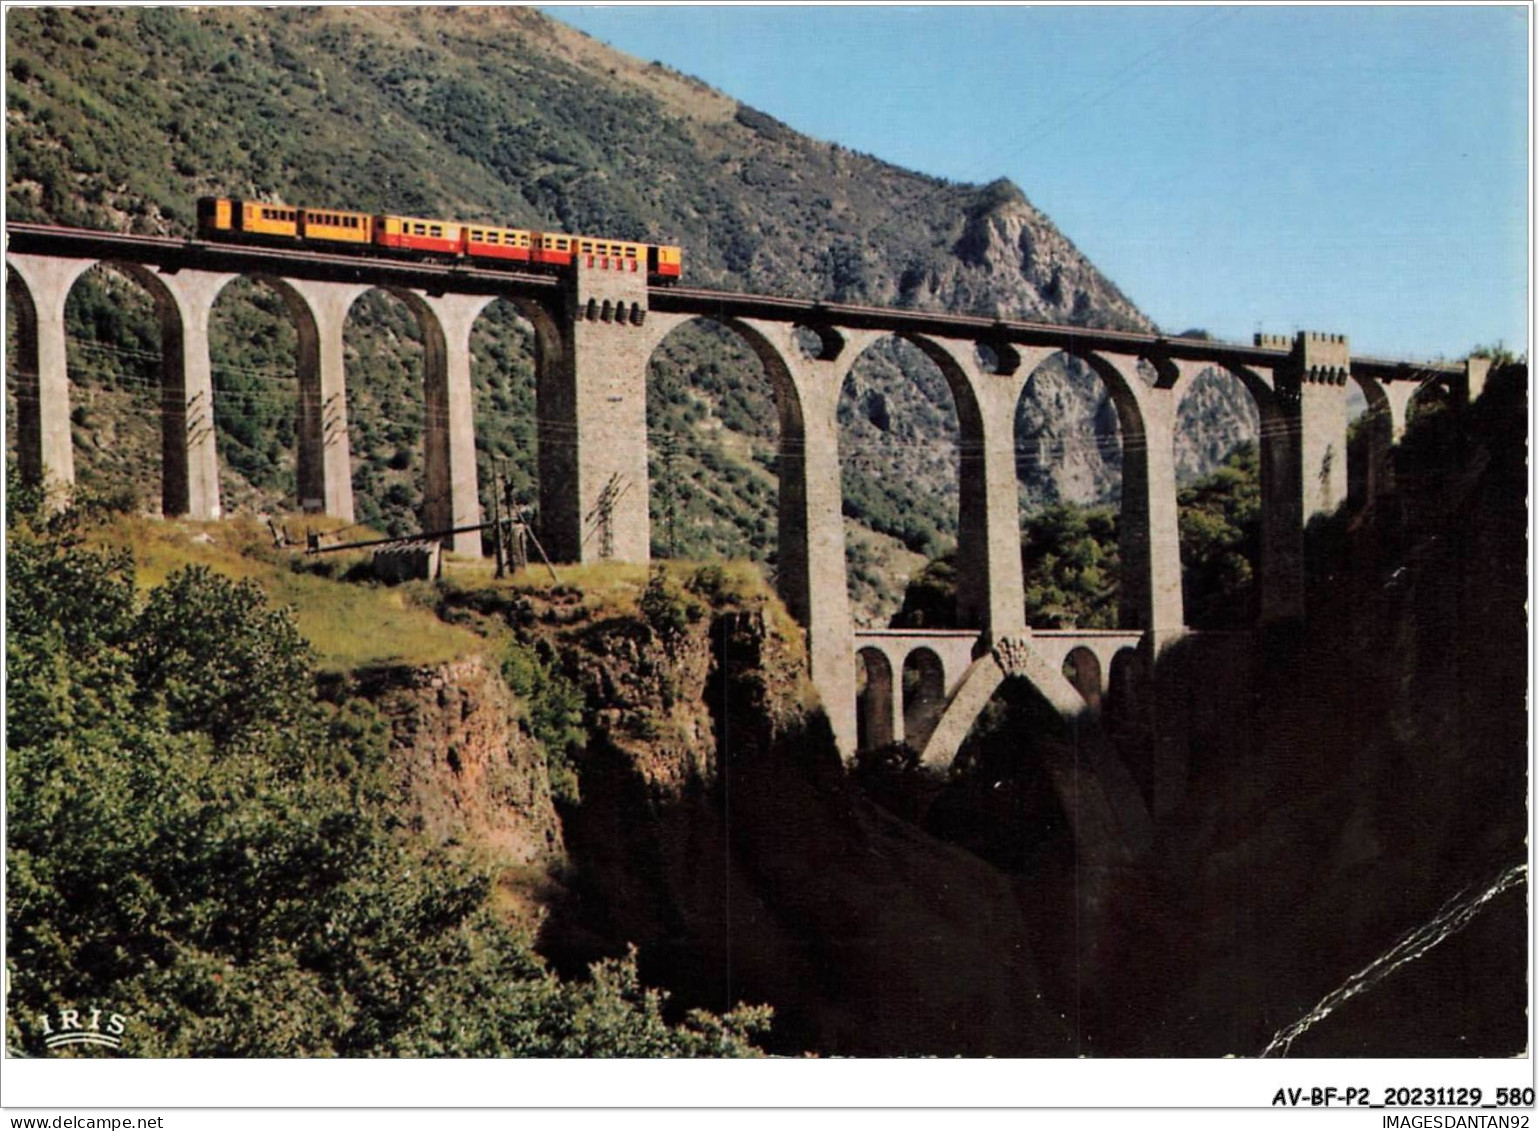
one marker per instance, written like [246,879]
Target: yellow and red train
[254,221]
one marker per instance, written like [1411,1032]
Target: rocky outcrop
[466,772]
[720,835]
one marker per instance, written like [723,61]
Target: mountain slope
[120,118]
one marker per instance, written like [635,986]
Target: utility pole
[518,533]
[524,534]
[497,517]
[603,514]
[670,490]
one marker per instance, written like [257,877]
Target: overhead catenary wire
[283,395]
[1031,449]
[1059,116]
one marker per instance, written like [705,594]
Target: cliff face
[1381,790]
[466,772]
[719,833]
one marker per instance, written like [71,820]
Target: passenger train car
[253,221]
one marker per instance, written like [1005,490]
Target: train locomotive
[455,241]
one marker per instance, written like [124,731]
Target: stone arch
[179,382]
[1369,468]
[1107,433]
[1013,657]
[1408,400]
[1082,668]
[506,345]
[1279,569]
[444,415]
[704,443]
[876,700]
[37,459]
[246,404]
[876,447]
[974,601]
[186,410]
[793,555]
[1220,591]
[1124,679]
[1202,388]
[924,695]
[1110,817]
[385,335]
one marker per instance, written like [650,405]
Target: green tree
[197,843]
[1072,565]
[1072,562]
[1220,540]
[554,713]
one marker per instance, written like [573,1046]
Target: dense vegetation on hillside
[119,119]
[1072,563]
[198,843]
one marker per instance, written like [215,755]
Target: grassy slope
[349,625]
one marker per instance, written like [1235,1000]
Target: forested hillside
[119,119]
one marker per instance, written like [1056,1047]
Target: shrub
[667,607]
[171,857]
[555,713]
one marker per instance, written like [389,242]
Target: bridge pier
[1149,539]
[1303,461]
[325,472]
[881,704]
[449,458]
[811,565]
[593,419]
[1322,365]
[44,452]
[991,592]
[189,459]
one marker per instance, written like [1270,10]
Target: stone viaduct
[595,331]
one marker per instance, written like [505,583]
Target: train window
[630,253]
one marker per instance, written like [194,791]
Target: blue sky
[1355,170]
